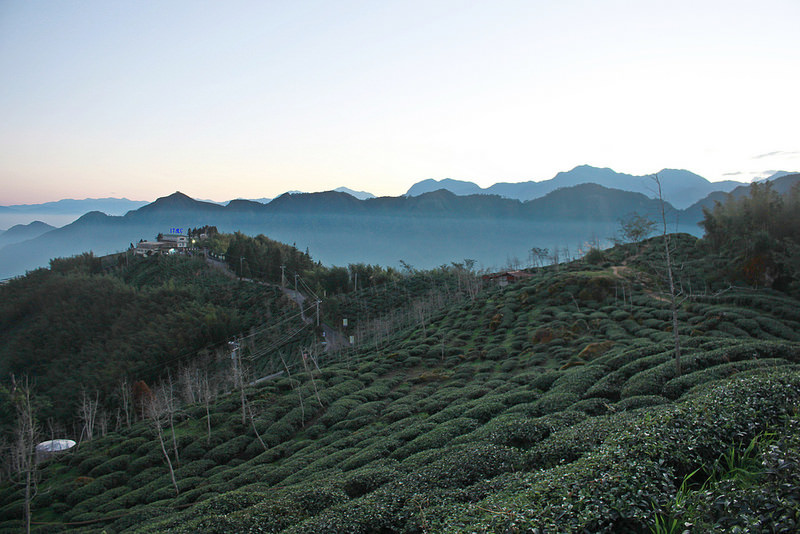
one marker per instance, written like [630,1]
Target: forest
[83,330]
[552,404]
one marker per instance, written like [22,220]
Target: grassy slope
[549,404]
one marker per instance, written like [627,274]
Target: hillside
[550,404]
[79,328]
[23,232]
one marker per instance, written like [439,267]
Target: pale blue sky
[251,99]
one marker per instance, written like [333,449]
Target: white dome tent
[46,449]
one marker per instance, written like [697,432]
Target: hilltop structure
[164,244]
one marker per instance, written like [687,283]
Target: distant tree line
[261,258]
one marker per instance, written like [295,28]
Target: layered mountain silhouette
[360,195]
[64,211]
[69,206]
[681,188]
[23,232]
[424,230]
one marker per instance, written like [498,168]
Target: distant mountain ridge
[360,195]
[681,188]
[458,187]
[424,230]
[69,206]
[23,232]
[61,212]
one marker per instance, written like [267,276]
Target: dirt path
[618,270]
[333,338]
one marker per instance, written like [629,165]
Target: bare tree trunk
[156,411]
[125,390]
[206,392]
[166,457]
[299,393]
[103,423]
[169,403]
[240,379]
[24,448]
[88,414]
[28,500]
[311,374]
[253,422]
[672,293]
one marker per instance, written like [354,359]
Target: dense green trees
[261,258]
[73,330]
[758,236]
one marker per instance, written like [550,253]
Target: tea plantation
[549,405]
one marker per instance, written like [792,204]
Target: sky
[225,100]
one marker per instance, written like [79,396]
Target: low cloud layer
[783,153]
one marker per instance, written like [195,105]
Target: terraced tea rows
[550,404]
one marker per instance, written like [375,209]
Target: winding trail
[334,339]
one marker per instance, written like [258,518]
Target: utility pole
[283,276]
[241,258]
[295,281]
[317,312]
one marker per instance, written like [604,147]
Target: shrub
[463,465]
[92,489]
[595,256]
[679,385]
[484,410]
[651,381]
[229,450]
[639,401]
[118,463]
[367,479]
[98,502]
[146,476]
[555,401]
[196,468]
[572,442]
[91,462]
[128,446]
[611,385]
[437,437]
[545,380]
[578,380]
[151,459]
[591,406]
[497,354]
